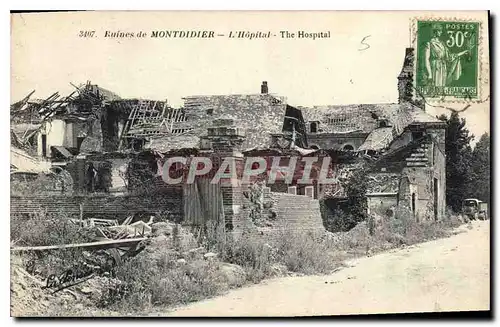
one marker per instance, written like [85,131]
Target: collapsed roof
[382,122]
[259,115]
[28,115]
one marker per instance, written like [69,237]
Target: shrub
[165,282]
[42,228]
[404,229]
[345,215]
[453,219]
[34,184]
[248,251]
[156,276]
[304,252]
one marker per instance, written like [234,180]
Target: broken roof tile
[378,139]
[364,117]
[259,115]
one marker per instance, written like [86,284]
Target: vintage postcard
[249,164]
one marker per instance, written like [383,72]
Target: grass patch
[171,272]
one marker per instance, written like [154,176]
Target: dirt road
[443,275]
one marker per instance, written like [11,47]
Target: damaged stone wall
[402,140]
[439,137]
[267,213]
[344,172]
[336,141]
[382,206]
[64,132]
[418,167]
[293,212]
[119,174]
[439,171]
[258,205]
[417,193]
[101,206]
[382,194]
[93,141]
[381,182]
[236,212]
[110,128]
[342,118]
[259,115]
[55,135]
[427,182]
[26,184]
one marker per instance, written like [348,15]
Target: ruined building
[266,120]
[110,151]
[407,143]
[104,154]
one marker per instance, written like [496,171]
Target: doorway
[44,145]
[436,197]
[79,141]
[413,206]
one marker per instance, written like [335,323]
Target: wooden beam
[100,245]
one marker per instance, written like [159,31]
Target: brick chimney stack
[263,88]
[405,78]
[406,88]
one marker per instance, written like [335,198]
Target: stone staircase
[297,212]
[418,157]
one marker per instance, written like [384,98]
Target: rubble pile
[260,207]
[91,281]
[31,297]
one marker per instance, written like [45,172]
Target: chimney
[263,88]
[406,89]
[405,78]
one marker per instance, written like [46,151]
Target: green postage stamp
[448,59]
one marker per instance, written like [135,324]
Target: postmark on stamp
[448,59]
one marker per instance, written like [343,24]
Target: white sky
[47,55]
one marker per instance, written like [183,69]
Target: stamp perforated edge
[483,69]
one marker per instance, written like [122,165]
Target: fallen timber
[92,245]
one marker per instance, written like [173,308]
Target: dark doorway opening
[44,145]
[413,204]
[348,147]
[436,197]
[79,141]
[314,127]
[417,135]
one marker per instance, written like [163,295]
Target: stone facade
[407,144]
[242,208]
[413,176]
[258,115]
[347,141]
